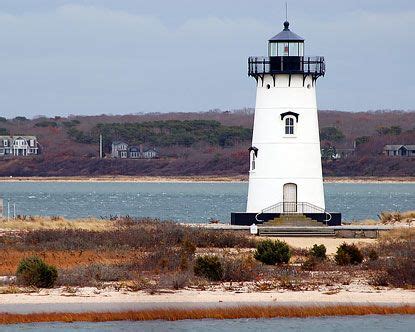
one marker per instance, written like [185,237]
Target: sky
[62,57]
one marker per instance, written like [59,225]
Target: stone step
[296,232]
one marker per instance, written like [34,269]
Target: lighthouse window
[289,126]
[293,49]
[283,49]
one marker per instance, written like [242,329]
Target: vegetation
[272,252]
[46,123]
[318,252]
[166,133]
[33,271]
[348,254]
[332,134]
[149,255]
[209,267]
[208,143]
[239,312]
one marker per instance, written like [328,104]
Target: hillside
[208,143]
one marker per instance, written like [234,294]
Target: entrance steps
[294,225]
[296,231]
[299,220]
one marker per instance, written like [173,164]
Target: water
[187,202]
[339,324]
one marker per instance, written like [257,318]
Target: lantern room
[286,43]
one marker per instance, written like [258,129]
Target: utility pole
[100,146]
[8,210]
[14,210]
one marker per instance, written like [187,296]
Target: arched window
[289,126]
[253,152]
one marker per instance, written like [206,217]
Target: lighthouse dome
[287,35]
[286,43]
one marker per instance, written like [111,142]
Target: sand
[94,300]
[330,243]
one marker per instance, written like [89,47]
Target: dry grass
[37,223]
[397,234]
[211,313]
[10,258]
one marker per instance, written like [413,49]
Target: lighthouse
[285,175]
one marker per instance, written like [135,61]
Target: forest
[203,143]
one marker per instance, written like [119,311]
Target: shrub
[348,254]
[272,252]
[318,252]
[209,267]
[239,268]
[33,271]
[373,255]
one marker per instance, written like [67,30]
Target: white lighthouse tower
[285,161]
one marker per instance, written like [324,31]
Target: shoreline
[234,312]
[105,305]
[193,179]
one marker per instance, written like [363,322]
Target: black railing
[314,66]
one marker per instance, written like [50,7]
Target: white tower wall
[282,158]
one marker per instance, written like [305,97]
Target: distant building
[122,150]
[19,146]
[399,150]
[119,149]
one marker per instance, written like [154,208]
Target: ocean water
[339,324]
[186,202]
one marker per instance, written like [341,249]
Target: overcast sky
[126,56]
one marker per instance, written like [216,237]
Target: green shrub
[33,271]
[348,254]
[209,267]
[272,252]
[373,255]
[318,252]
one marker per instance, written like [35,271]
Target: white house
[119,149]
[18,146]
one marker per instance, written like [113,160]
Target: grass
[38,223]
[211,313]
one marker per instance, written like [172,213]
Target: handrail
[294,208]
[259,65]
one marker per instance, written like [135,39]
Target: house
[121,149]
[19,146]
[149,153]
[399,150]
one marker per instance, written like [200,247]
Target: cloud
[91,60]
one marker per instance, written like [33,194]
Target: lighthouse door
[290,197]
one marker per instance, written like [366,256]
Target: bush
[240,268]
[318,252]
[272,252]
[373,255]
[33,271]
[209,267]
[348,254]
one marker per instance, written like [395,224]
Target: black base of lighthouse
[247,219]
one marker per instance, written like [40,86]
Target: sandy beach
[95,300]
[195,179]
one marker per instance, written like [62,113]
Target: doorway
[290,197]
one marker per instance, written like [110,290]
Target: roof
[16,137]
[397,147]
[287,35]
[118,143]
[150,149]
